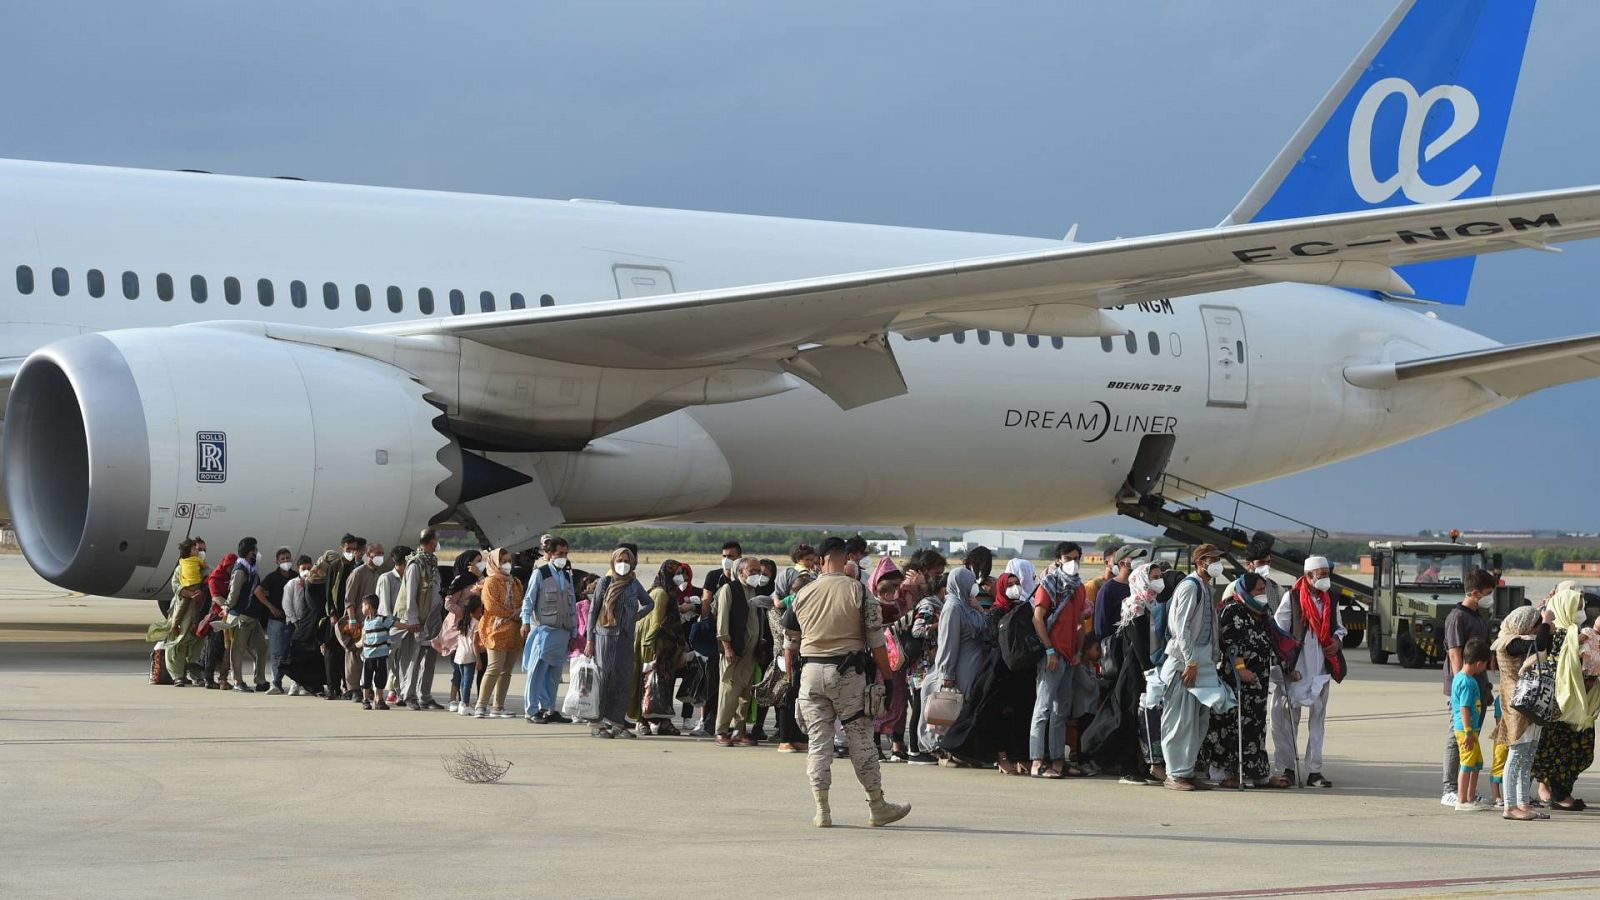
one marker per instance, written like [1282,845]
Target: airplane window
[164,287]
[24,279]
[59,281]
[1174,346]
[363,297]
[397,300]
[458,303]
[1033,341]
[1131,342]
[546,300]
[425,301]
[983,336]
[97,283]
[130,285]
[230,290]
[264,291]
[486,301]
[330,295]
[1155,344]
[1057,343]
[297,294]
[518,301]
[1105,344]
[1007,338]
[960,337]
[1240,346]
[197,288]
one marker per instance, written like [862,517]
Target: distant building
[8,538]
[1581,567]
[887,548]
[1042,544]
[1497,536]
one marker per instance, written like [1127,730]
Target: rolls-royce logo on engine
[211,457]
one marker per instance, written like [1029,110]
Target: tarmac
[111,787]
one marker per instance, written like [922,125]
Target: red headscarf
[1001,601]
[1318,620]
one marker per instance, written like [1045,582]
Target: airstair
[1171,506]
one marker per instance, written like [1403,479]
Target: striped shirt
[375,637]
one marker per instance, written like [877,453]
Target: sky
[1023,118]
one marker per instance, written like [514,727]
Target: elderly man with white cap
[1310,614]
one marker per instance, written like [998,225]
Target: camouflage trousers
[827,695]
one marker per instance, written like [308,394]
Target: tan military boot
[884,812]
[824,817]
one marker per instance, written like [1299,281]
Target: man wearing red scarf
[1309,614]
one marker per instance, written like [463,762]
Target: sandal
[1072,771]
[1568,805]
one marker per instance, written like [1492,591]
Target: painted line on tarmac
[1365,887]
[287,739]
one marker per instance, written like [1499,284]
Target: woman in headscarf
[657,647]
[499,633]
[1246,654]
[1005,703]
[620,601]
[317,587]
[1566,747]
[1523,636]
[458,588]
[963,632]
[1124,735]
[884,584]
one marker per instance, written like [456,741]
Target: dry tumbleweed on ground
[474,765]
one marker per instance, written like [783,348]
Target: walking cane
[1238,696]
[1294,736]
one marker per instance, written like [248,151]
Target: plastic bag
[582,701]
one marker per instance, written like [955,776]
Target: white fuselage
[993,430]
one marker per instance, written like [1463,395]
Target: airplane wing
[829,330]
[1512,371]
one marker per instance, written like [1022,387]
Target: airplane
[394,358]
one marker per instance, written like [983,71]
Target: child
[1466,713]
[374,652]
[1497,769]
[465,660]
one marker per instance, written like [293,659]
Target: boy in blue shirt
[1466,719]
[374,653]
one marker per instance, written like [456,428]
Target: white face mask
[1014,592]
[756,581]
[559,562]
[285,566]
[1583,616]
[624,568]
[679,580]
[1070,567]
[377,560]
[482,567]
[305,573]
[505,568]
[1322,584]
[1214,569]
[349,556]
[202,555]
[727,564]
[976,590]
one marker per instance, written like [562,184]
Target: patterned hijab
[617,587]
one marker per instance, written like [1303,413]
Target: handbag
[204,628]
[693,689]
[1535,693]
[773,687]
[942,710]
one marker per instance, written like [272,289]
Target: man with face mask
[278,629]
[419,612]
[337,640]
[1464,623]
[1190,671]
[1311,615]
[738,629]
[549,618]
[388,591]
[247,607]
[1058,609]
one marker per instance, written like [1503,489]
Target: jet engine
[120,444]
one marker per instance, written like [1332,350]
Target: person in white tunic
[1190,689]
[1308,613]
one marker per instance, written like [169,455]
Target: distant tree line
[772,542]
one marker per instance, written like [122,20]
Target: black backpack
[1020,646]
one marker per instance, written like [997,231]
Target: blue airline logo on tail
[1410,153]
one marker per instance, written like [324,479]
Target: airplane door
[1229,365]
[642,281]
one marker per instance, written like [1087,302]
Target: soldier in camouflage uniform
[830,630]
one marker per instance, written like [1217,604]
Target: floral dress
[1242,634]
[1564,752]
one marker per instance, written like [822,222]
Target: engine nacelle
[118,445]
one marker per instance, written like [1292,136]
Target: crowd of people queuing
[1142,672]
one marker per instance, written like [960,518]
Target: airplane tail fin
[1419,117]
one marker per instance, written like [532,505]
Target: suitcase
[158,665]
